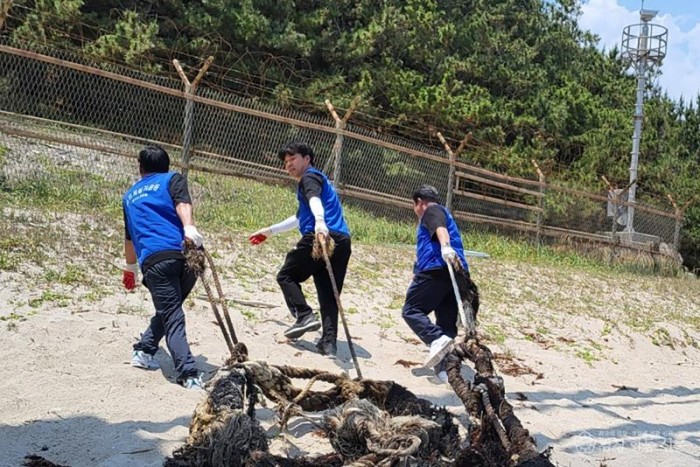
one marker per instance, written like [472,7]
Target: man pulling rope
[319,213]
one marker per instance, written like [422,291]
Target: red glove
[129,280]
[129,276]
[257,239]
[260,236]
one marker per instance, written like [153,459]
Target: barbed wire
[373,172]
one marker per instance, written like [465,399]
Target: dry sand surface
[594,389]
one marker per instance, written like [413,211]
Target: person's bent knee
[282,278]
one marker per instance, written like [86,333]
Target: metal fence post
[190,90]
[452,156]
[336,153]
[540,202]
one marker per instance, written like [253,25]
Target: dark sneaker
[305,324]
[327,347]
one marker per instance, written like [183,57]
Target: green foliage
[46,22]
[132,41]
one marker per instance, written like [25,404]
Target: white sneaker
[194,382]
[143,360]
[438,349]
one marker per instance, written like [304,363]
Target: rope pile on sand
[367,422]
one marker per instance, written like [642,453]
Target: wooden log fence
[540,202]
[458,171]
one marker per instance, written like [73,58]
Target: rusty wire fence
[96,120]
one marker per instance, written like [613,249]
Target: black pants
[169,282]
[299,266]
[432,291]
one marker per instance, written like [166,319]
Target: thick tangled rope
[368,423]
[359,428]
[389,422]
[488,391]
[317,248]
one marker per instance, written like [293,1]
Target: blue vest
[428,250]
[332,209]
[151,217]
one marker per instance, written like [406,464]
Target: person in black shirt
[319,214]
[157,220]
[438,241]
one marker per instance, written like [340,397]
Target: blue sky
[681,67]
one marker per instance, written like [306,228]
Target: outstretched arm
[286,225]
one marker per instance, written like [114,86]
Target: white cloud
[681,67]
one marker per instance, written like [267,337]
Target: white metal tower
[643,45]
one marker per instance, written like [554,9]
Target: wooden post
[190,90]
[615,200]
[680,212]
[452,156]
[337,151]
[540,202]
[4,10]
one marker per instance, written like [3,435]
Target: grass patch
[66,190]
[96,294]
[397,302]
[18,247]
[229,204]
[661,337]
[16,316]
[494,333]
[587,355]
[71,275]
[59,299]
[386,320]
[248,315]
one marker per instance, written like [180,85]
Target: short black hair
[426,193]
[154,159]
[296,147]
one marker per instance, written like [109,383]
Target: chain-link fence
[60,100]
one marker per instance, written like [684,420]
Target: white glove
[448,254]
[193,234]
[321,228]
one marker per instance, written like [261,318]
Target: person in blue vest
[158,220]
[438,241]
[319,214]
